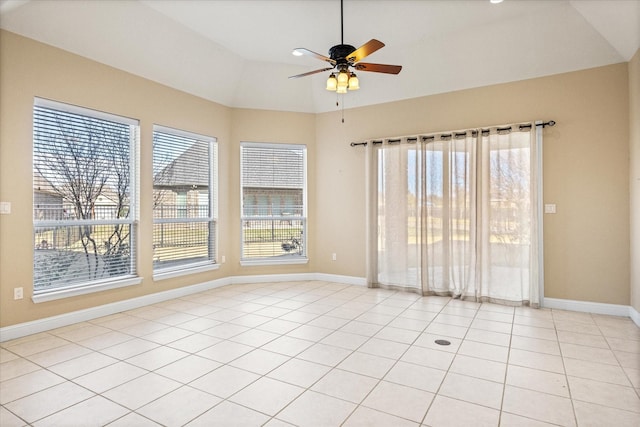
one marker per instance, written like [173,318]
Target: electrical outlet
[18,293]
[333,256]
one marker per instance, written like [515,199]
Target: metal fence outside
[267,237]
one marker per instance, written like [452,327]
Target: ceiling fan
[342,57]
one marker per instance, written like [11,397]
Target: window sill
[270,261]
[169,274]
[87,289]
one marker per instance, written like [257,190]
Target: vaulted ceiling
[238,53]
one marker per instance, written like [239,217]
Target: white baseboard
[48,323]
[635,316]
[265,278]
[336,278]
[28,328]
[593,307]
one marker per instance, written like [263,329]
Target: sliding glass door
[456,214]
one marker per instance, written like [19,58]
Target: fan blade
[365,50]
[302,51]
[310,72]
[378,68]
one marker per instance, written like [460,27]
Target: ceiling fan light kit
[332,82]
[354,83]
[342,57]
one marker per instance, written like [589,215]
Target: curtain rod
[414,139]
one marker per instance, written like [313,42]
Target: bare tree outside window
[82,192]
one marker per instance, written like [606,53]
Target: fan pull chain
[338,104]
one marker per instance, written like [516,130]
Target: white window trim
[194,268]
[197,267]
[90,288]
[184,133]
[68,108]
[244,262]
[132,221]
[268,261]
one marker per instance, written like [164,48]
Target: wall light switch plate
[550,208]
[5,208]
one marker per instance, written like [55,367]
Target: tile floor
[325,354]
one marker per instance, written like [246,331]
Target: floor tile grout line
[238,391]
[194,333]
[359,404]
[66,380]
[506,370]
[566,377]
[306,389]
[16,415]
[437,392]
[132,337]
[94,394]
[617,359]
[369,337]
[396,362]
[354,350]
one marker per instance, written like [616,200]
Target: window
[184,201]
[84,199]
[273,183]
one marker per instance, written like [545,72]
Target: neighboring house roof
[263,168]
[189,169]
[272,168]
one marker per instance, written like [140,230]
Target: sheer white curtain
[457,214]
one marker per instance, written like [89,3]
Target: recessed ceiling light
[495,1]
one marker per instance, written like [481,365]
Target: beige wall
[634,145]
[586,168]
[30,69]
[585,172]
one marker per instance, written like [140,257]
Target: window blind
[273,182]
[184,199]
[84,196]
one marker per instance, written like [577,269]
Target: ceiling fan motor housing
[340,52]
